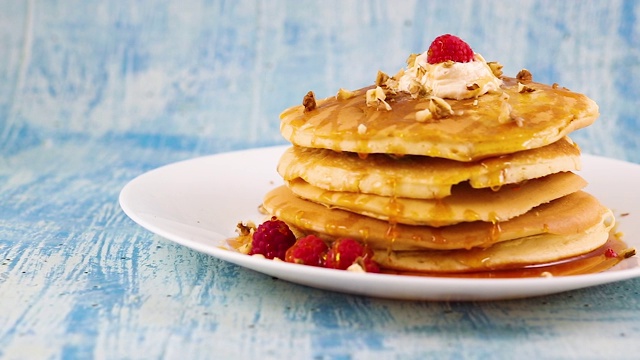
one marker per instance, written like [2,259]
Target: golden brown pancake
[571,214]
[420,176]
[495,124]
[522,252]
[464,204]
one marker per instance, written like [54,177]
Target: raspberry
[345,252]
[309,250]
[449,47]
[272,239]
[610,253]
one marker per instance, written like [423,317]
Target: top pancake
[477,128]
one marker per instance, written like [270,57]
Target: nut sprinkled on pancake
[496,68]
[344,94]
[309,102]
[376,97]
[524,75]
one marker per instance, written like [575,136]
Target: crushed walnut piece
[472,87]
[309,102]
[439,108]
[505,110]
[376,97]
[417,90]
[411,60]
[524,75]
[507,114]
[381,78]
[522,89]
[424,115]
[242,243]
[627,253]
[362,129]
[496,68]
[448,63]
[344,94]
[388,83]
[243,229]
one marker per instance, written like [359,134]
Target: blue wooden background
[94,93]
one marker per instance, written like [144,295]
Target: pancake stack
[440,181]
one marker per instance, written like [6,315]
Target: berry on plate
[272,239]
[345,252]
[308,250]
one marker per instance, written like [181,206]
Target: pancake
[522,252]
[420,176]
[465,204]
[476,129]
[571,214]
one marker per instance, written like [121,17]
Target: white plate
[197,203]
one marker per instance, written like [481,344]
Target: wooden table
[93,94]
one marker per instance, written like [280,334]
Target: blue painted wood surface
[94,93]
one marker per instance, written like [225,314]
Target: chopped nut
[362,129]
[448,63]
[309,102]
[522,89]
[417,90]
[519,120]
[554,86]
[411,60]
[375,97]
[391,85]
[344,94]
[475,102]
[243,229]
[627,253]
[505,113]
[420,72]
[439,107]
[355,267]
[546,274]
[496,68]
[524,75]
[245,248]
[381,78]
[423,115]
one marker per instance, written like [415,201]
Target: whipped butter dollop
[450,80]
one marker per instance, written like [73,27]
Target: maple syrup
[593,262]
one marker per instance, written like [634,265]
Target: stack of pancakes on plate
[478,184]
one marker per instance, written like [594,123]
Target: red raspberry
[449,47]
[345,252]
[610,253]
[272,239]
[309,250]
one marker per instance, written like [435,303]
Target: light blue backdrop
[95,93]
[213,75]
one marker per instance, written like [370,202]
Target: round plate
[197,203]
